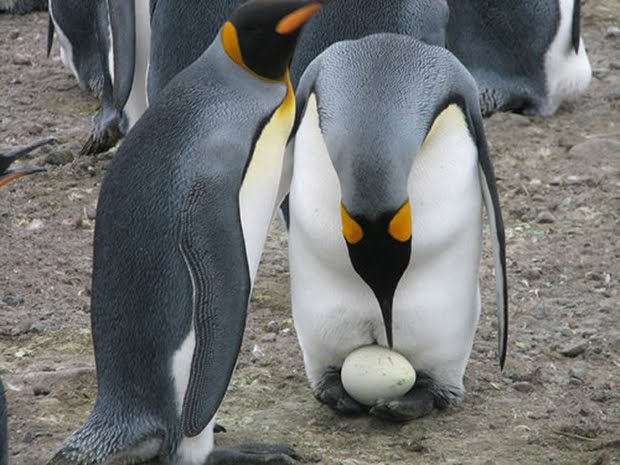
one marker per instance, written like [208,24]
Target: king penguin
[181,221]
[526,55]
[391,168]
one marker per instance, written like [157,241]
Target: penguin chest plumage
[259,190]
[568,71]
[436,304]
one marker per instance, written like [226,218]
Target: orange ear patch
[231,43]
[293,21]
[351,230]
[400,226]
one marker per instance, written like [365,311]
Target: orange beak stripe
[293,21]
[10,178]
[400,226]
[351,230]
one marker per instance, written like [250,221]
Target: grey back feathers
[181,31]
[353,19]
[387,73]
[21,7]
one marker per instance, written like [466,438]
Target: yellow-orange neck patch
[351,230]
[10,178]
[230,42]
[400,226]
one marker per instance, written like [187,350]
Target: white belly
[436,305]
[567,73]
[137,103]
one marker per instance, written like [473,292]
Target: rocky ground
[558,400]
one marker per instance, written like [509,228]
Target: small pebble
[523,386]
[315,457]
[39,390]
[396,457]
[19,59]
[545,217]
[593,148]
[579,373]
[352,462]
[14,34]
[575,350]
[613,31]
[269,337]
[59,158]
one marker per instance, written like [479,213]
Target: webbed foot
[254,454]
[331,392]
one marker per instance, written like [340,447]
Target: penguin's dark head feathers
[261,34]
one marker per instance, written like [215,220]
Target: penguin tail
[111,440]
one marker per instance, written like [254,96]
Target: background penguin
[9,173]
[74,22]
[181,221]
[353,19]
[390,168]
[4,436]
[526,55]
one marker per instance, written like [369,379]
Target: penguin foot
[254,454]
[331,392]
[105,134]
[417,403]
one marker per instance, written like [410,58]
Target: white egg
[374,372]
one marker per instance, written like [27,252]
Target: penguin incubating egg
[526,55]
[181,222]
[391,168]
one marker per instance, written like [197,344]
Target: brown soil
[558,401]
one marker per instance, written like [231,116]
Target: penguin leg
[253,454]
[330,391]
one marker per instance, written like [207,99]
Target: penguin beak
[380,251]
[293,21]
[16,173]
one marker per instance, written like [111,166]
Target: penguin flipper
[4,437]
[221,282]
[576,26]
[491,202]
[50,34]
[123,25]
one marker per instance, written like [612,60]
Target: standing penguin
[391,168]
[526,55]
[182,218]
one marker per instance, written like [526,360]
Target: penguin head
[379,248]
[261,34]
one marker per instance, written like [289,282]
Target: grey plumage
[21,7]
[181,31]
[353,19]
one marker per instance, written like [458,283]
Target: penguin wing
[575,31]
[491,202]
[214,251]
[122,21]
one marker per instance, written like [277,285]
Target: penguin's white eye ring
[400,225]
[351,230]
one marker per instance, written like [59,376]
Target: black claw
[331,392]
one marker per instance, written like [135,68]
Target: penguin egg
[373,372]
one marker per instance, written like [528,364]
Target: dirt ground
[558,400]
